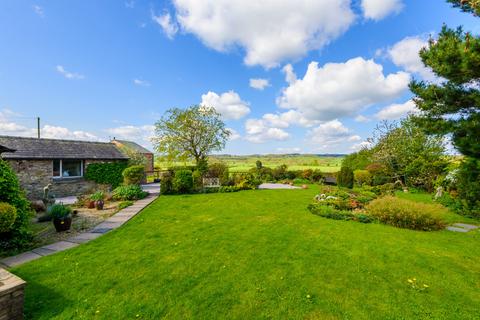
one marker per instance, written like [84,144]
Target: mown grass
[256,255]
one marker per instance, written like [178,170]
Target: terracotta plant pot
[91,204]
[99,204]
[62,224]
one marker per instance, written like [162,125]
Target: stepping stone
[20,259]
[85,237]
[60,246]
[465,226]
[455,229]
[43,251]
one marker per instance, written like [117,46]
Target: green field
[294,162]
[257,255]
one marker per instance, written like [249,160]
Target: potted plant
[62,217]
[98,198]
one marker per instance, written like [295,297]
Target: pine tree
[472,6]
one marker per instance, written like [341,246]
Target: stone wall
[11,296]
[34,175]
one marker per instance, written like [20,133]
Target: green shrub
[363,218]
[345,177]
[197,180]
[246,181]
[19,235]
[403,213]
[8,213]
[183,181]
[468,186]
[225,189]
[125,204]
[106,173]
[97,196]
[362,177]
[133,175]
[166,183]
[130,192]
[59,211]
[330,213]
[317,176]
[218,170]
[279,173]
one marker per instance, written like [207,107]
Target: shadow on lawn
[48,304]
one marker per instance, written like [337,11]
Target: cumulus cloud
[340,89]
[168,25]
[228,104]
[12,128]
[331,136]
[269,31]
[397,111]
[360,146]
[140,82]
[234,135]
[288,150]
[140,134]
[379,9]
[405,54]
[259,131]
[361,118]
[69,75]
[259,84]
[286,119]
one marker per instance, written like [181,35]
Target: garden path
[109,224]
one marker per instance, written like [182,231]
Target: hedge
[106,173]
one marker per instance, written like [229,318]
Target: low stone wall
[11,296]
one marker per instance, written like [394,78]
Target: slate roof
[33,148]
[132,146]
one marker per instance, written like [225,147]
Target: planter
[99,204]
[62,224]
[91,204]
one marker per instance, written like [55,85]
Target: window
[67,168]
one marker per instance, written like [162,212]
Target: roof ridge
[51,139]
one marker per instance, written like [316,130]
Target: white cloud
[397,111]
[142,83]
[360,146]
[379,9]
[69,75]
[361,118]
[288,150]
[270,31]
[228,104]
[286,119]
[405,54]
[38,10]
[234,135]
[259,84]
[259,131]
[331,136]
[140,134]
[341,89]
[165,21]
[12,128]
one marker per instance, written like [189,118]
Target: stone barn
[61,163]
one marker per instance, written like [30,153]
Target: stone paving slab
[20,259]
[60,245]
[455,229]
[465,226]
[274,186]
[85,237]
[43,251]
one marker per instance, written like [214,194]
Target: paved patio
[272,186]
[109,224]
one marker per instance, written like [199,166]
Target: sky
[287,76]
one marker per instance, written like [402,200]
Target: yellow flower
[410,280]
[425,285]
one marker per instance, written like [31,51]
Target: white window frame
[82,164]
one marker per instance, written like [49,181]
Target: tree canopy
[190,134]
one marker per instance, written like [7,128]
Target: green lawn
[256,255]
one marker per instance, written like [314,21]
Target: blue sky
[326,71]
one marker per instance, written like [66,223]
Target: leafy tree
[258,164]
[358,160]
[345,177]
[189,134]
[407,154]
[472,6]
